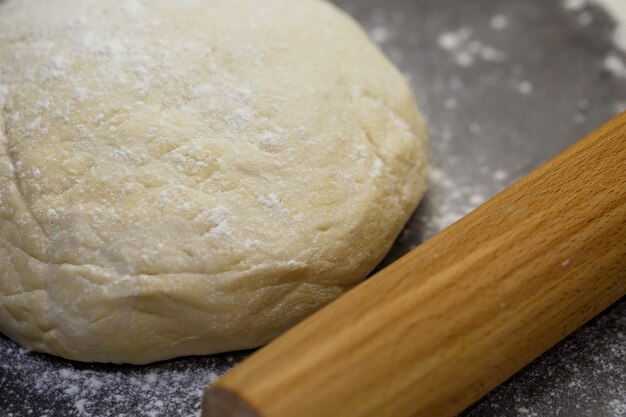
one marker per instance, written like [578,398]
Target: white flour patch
[465,50]
[451,41]
[614,8]
[450,103]
[379,34]
[453,199]
[614,64]
[617,408]
[268,139]
[525,87]
[498,22]
[500,175]
[167,389]
[273,202]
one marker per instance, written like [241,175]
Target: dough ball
[190,177]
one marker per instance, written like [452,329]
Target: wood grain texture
[464,311]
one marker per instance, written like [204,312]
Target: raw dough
[195,176]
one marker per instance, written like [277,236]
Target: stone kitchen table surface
[505,85]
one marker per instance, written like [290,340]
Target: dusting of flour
[615,8]
[615,61]
[172,389]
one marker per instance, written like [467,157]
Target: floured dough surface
[195,176]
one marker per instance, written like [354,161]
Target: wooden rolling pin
[460,314]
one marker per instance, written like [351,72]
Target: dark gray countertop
[505,85]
